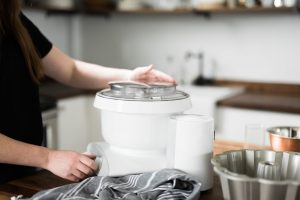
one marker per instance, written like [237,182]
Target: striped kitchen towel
[165,184]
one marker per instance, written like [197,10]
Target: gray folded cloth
[165,184]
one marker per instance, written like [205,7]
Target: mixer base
[118,163]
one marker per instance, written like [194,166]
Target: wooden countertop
[255,97]
[28,186]
[277,97]
[263,101]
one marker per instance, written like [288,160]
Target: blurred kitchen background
[246,52]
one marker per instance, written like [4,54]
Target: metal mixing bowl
[285,138]
[259,175]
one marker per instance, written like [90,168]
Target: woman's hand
[71,165]
[149,75]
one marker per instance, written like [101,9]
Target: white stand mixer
[138,132]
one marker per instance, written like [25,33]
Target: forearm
[20,153]
[66,164]
[80,74]
[86,75]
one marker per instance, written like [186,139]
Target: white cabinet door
[94,126]
[73,124]
[78,123]
[232,121]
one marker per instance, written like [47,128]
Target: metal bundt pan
[259,175]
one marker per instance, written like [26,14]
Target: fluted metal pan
[259,175]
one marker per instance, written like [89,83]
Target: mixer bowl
[136,116]
[259,174]
[285,138]
[135,131]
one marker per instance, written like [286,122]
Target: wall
[64,31]
[253,47]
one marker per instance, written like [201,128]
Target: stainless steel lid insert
[136,91]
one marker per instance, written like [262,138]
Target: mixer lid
[137,91]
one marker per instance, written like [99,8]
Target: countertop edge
[251,100]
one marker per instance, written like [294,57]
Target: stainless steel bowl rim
[244,178]
[271,131]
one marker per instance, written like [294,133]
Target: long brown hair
[10,23]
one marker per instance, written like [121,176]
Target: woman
[25,56]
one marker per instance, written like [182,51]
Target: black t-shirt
[20,116]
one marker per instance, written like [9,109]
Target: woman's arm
[19,153]
[66,164]
[80,74]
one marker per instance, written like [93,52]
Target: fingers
[83,169]
[79,174]
[91,156]
[157,76]
[141,71]
[90,163]
[71,165]
[148,74]
[148,68]
[162,77]
[73,178]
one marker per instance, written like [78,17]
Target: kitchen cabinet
[104,10]
[268,104]
[206,11]
[253,10]
[94,115]
[204,98]
[232,121]
[72,124]
[78,123]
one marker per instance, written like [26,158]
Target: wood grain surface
[27,186]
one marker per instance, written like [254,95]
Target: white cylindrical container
[193,148]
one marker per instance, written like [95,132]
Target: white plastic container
[193,149]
